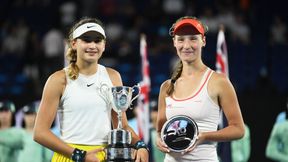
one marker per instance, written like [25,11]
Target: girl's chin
[91,59]
[92,56]
[187,58]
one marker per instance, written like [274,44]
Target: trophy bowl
[121,98]
[179,133]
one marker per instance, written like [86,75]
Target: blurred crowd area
[32,38]
[33,33]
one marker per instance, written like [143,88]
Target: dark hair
[71,55]
[171,30]
[7,105]
[31,108]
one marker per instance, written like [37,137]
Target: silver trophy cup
[119,140]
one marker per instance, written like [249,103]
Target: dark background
[257,60]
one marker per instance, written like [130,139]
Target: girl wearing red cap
[74,92]
[196,91]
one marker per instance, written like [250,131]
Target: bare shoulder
[57,79]
[114,76]
[112,71]
[219,78]
[165,84]
[58,76]
[219,82]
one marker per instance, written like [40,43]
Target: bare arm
[47,111]
[222,91]
[161,116]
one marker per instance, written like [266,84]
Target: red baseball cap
[189,22]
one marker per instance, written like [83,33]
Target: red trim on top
[196,92]
[195,23]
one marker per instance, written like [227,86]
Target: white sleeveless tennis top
[205,112]
[84,116]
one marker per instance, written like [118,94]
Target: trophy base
[120,154]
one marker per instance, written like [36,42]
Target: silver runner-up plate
[179,133]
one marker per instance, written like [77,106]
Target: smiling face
[89,46]
[188,43]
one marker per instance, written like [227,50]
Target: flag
[224,149]
[222,54]
[143,117]
[222,61]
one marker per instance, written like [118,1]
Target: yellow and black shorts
[100,155]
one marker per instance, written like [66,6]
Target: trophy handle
[104,93]
[133,90]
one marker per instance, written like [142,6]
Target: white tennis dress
[205,112]
[84,116]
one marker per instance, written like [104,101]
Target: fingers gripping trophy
[119,140]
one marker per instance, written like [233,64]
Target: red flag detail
[143,117]
[222,54]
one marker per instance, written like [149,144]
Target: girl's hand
[161,145]
[142,155]
[91,155]
[199,139]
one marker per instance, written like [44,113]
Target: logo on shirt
[91,26]
[88,85]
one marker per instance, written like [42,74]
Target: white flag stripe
[222,54]
[143,113]
[222,62]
